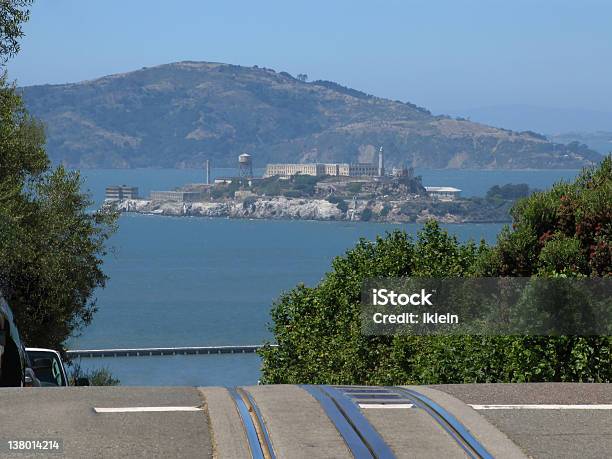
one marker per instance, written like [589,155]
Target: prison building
[315,169]
[177,196]
[118,193]
[362,170]
[318,169]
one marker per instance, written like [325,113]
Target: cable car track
[255,428]
[343,406]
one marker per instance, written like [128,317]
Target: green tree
[318,329]
[564,231]
[354,187]
[508,191]
[51,244]
[13,13]
[366,214]
[340,203]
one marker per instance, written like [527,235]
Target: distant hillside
[178,115]
[600,141]
[546,120]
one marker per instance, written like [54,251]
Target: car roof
[40,349]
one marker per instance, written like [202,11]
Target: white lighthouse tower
[381,162]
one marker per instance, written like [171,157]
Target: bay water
[189,281]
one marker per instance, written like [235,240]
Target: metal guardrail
[149,351]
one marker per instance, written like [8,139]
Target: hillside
[178,115]
[600,141]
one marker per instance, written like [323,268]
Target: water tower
[245,165]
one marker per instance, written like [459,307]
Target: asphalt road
[68,414]
[99,422]
[549,433]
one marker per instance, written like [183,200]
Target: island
[342,192]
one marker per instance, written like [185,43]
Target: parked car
[48,367]
[13,359]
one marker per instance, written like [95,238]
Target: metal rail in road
[148,351]
[254,425]
[399,396]
[358,434]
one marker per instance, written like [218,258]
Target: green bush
[508,191]
[318,329]
[96,376]
[340,203]
[354,187]
[366,214]
[566,229]
[292,194]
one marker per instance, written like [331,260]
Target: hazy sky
[438,54]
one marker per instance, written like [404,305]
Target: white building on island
[443,193]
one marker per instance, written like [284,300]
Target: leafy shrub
[102,377]
[97,376]
[508,191]
[318,329]
[354,187]
[366,214]
[340,203]
[292,194]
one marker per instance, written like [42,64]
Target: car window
[47,367]
[56,372]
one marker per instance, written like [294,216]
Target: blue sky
[439,54]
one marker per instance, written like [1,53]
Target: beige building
[362,170]
[319,169]
[117,193]
[294,169]
[177,196]
[243,194]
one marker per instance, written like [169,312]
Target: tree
[51,244]
[508,191]
[302,77]
[340,203]
[318,329]
[366,214]
[564,231]
[13,13]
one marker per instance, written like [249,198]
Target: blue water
[477,183]
[199,281]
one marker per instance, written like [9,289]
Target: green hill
[178,115]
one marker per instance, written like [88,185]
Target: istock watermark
[487,306]
[383,297]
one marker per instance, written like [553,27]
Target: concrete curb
[495,441]
[227,433]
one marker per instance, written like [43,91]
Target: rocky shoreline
[283,208]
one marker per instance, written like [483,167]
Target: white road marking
[385,406]
[146,409]
[542,407]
